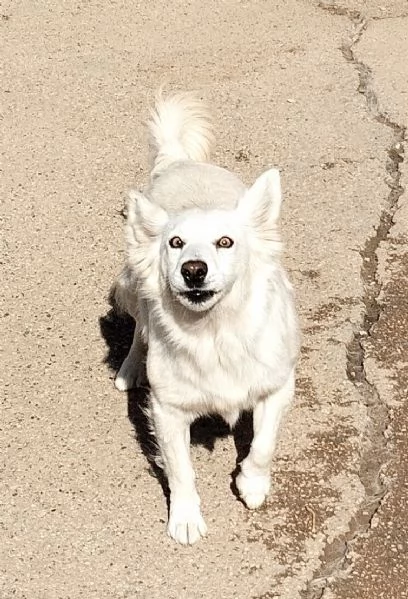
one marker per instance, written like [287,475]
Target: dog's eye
[224,242]
[176,242]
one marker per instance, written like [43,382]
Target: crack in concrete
[389,17]
[336,559]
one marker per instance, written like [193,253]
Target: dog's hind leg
[172,430]
[132,373]
[254,480]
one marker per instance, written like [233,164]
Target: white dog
[216,326]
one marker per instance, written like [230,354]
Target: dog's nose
[194,272]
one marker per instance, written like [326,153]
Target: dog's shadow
[117,330]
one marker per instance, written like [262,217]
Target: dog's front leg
[172,429]
[132,372]
[254,480]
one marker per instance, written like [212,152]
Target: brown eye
[224,242]
[176,242]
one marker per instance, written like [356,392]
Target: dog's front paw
[130,376]
[186,524]
[253,489]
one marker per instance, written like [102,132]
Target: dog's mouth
[198,296]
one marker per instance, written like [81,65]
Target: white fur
[234,350]
[179,129]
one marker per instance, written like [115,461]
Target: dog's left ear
[260,206]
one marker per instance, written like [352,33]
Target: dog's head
[199,254]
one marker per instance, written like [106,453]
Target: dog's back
[180,132]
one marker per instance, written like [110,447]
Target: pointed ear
[145,219]
[261,203]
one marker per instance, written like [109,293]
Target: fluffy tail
[180,129]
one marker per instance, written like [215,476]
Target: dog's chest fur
[219,367]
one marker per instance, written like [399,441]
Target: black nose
[194,272]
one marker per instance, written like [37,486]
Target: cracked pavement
[317,88]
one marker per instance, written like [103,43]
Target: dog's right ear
[145,219]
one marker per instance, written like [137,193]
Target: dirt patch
[328,312]
[389,338]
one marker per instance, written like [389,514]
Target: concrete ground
[318,89]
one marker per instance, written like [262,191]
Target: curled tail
[180,129]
